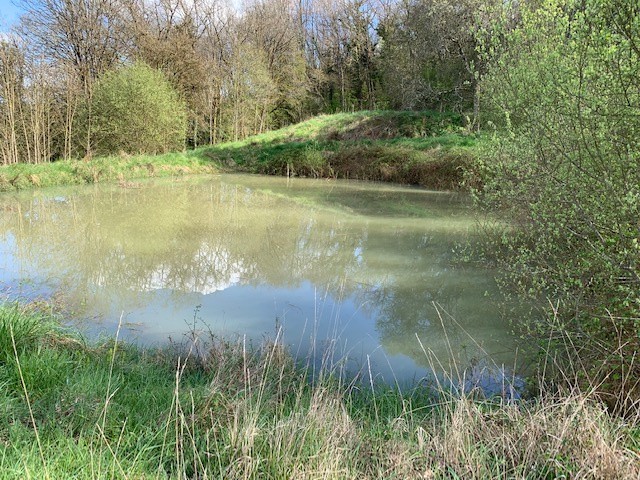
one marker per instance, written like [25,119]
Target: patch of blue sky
[9,15]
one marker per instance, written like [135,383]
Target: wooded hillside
[237,71]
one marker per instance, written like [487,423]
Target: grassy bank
[220,410]
[106,169]
[420,148]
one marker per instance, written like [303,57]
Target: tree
[11,82]
[82,33]
[167,35]
[342,45]
[250,92]
[136,110]
[429,54]
[271,28]
[26,106]
[84,38]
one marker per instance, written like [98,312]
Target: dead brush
[305,440]
[555,436]
[564,431]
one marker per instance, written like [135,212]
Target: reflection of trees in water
[440,311]
[200,238]
[206,237]
[407,299]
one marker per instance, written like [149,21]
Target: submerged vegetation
[208,408]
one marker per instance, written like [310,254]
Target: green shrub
[136,110]
[565,171]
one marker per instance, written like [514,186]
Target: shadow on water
[364,264]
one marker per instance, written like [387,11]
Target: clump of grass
[564,436]
[23,329]
[211,408]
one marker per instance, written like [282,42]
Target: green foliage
[136,110]
[565,170]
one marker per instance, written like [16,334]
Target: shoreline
[411,148]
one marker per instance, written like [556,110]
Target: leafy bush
[136,110]
[565,170]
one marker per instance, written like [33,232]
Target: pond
[363,270]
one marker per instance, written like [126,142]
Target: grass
[218,409]
[428,149]
[119,168]
[420,148]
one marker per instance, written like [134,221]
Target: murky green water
[357,266]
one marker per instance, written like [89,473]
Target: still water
[364,269]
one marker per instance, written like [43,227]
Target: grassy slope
[420,148]
[72,410]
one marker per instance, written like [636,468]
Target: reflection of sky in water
[357,263]
[16,281]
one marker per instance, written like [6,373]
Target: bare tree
[82,33]
[26,107]
[85,35]
[271,26]
[342,42]
[11,81]
[429,54]
[166,34]
[218,22]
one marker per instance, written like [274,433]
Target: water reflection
[362,262]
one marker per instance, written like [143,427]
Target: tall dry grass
[232,412]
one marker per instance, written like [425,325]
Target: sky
[9,14]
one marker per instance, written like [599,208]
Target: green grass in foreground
[109,410]
[420,148]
